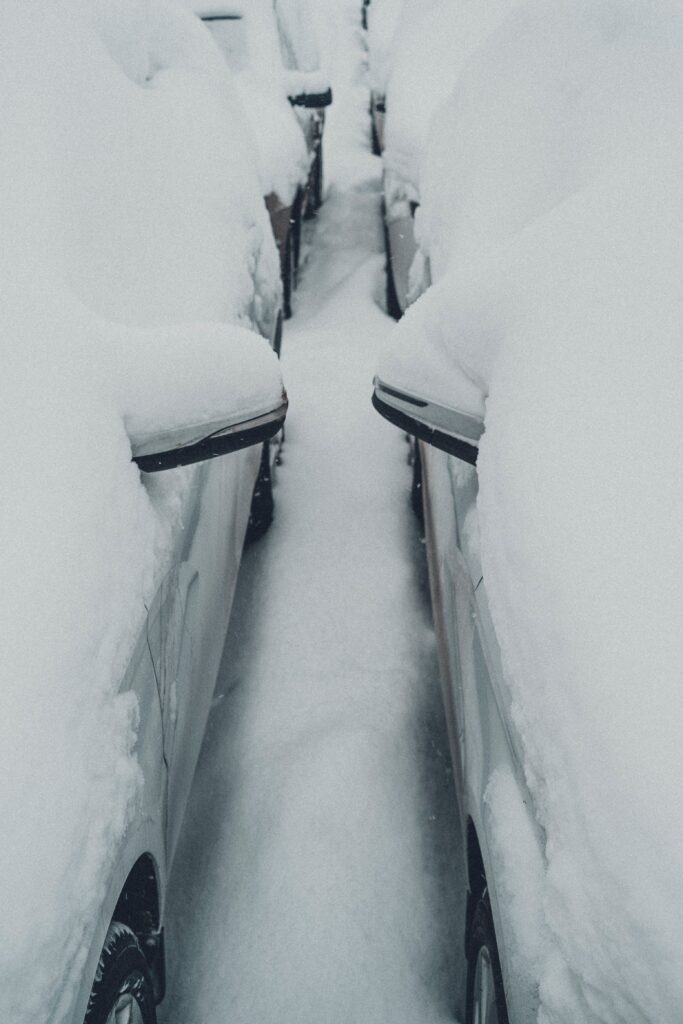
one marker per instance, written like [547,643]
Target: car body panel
[402,248]
[145,835]
[174,668]
[295,43]
[378,116]
[476,705]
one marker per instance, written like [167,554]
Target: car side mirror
[308,89]
[312,100]
[451,430]
[196,442]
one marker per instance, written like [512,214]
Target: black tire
[316,183]
[287,278]
[481,948]
[416,486]
[393,308]
[122,973]
[295,233]
[374,137]
[262,504]
[277,339]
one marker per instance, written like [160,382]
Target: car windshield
[230,33]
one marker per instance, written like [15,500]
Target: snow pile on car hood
[126,210]
[559,302]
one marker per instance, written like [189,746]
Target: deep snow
[316,880]
[552,216]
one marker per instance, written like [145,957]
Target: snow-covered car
[541,374]
[141,293]
[379,19]
[429,44]
[308,89]
[270,49]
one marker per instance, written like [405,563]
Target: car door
[189,621]
[463,577]
[172,637]
[444,570]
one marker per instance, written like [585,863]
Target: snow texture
[552,216]
[128,210]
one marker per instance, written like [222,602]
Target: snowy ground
[316,879]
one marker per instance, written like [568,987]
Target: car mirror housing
[308,89]
[312,100]
[450,430]
[196,442]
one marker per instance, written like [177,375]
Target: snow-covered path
[315,878]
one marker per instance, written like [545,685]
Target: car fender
[145,839]
[496,795]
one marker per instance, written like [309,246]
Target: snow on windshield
[127,211]
[553,217]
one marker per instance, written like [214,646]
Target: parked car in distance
[271,49]
[379,18]
[308,89]
[421,68]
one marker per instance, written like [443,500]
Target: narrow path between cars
[316,878]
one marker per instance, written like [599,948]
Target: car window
[230,33]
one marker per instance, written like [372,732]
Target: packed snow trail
[315,878]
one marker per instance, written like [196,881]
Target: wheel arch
[139,904]
[140,897]
[139,907]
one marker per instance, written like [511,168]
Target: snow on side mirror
[190,392]
[183,445]
[451,430]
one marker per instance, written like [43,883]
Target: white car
[140,389]
[552,214]
[272,53]
[420,65]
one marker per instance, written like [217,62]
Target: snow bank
[251,47]
[126,209]
[553,217]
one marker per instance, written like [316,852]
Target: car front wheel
[262,503]
[122,992]
[485,993]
